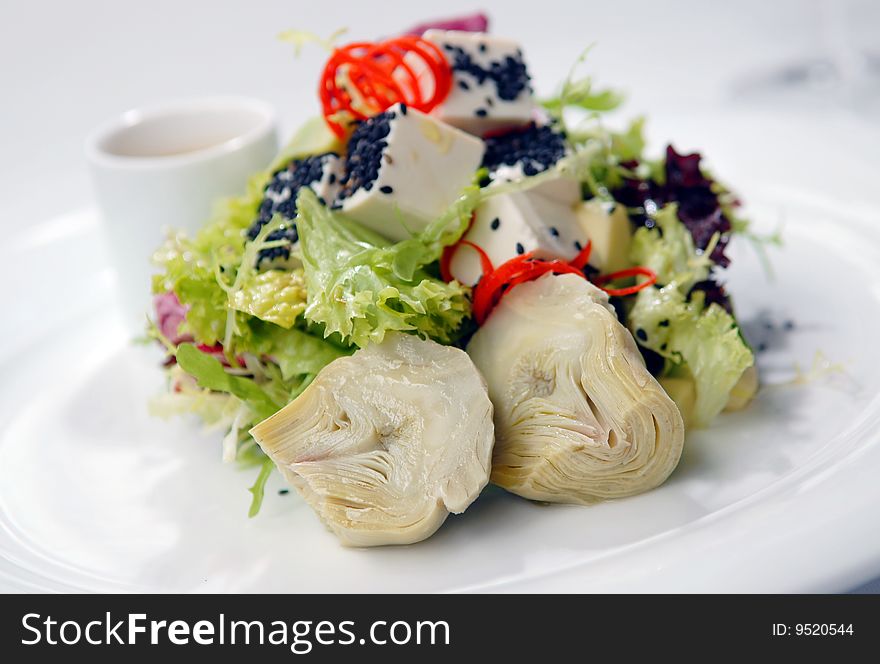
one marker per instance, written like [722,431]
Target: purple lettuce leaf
[477,22]
[699,208]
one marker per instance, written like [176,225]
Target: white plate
[96,495]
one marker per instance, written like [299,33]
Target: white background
[68,66]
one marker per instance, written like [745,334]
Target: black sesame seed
[366,150]
[509,75]
[449,47]
[535,148]
[520,249]
[554,231]
[641,334]
[496,222]
[386,189]
[664,323]
[578,245]
[463,85]
[490,101]
[481,112]
[332,178]
[482,48]
[664,346]
[322,201]
[280,198]
[283,492]
[403,109]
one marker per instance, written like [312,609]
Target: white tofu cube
[491,87]
[608,227]
[528,151]
[508,225]
[403,169]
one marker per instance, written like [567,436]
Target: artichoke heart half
[578,417]
[384,444]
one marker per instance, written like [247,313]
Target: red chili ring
[621,274]
[382,77]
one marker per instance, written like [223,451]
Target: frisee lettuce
[676,323]
[704,340]
[668,249]
[361,287]
[276,296]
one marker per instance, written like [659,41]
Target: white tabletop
[70,66]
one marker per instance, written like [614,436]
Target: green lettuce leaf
[258,490]
[629,145]
[361,287]
[668,249]
[580,93]
[276,296]
[705,340]
[668,319]
[211,375]
[296,352]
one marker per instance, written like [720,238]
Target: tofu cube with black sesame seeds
[607,225]
[491,86]
[319,172]
[403,169]
[527,151]
[509,225]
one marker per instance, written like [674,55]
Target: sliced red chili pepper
[580,261]
[622,274]
[489,290]
[383,74]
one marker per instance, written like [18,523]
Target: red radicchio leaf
[478,22]
[698,206]
[170,313]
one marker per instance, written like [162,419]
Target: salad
[443,281]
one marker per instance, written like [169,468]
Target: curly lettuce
[700,342]
[362,287]
[668,249]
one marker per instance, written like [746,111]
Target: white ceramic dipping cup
[164,167]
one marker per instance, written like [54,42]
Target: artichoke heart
[578,417]
[384,444]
